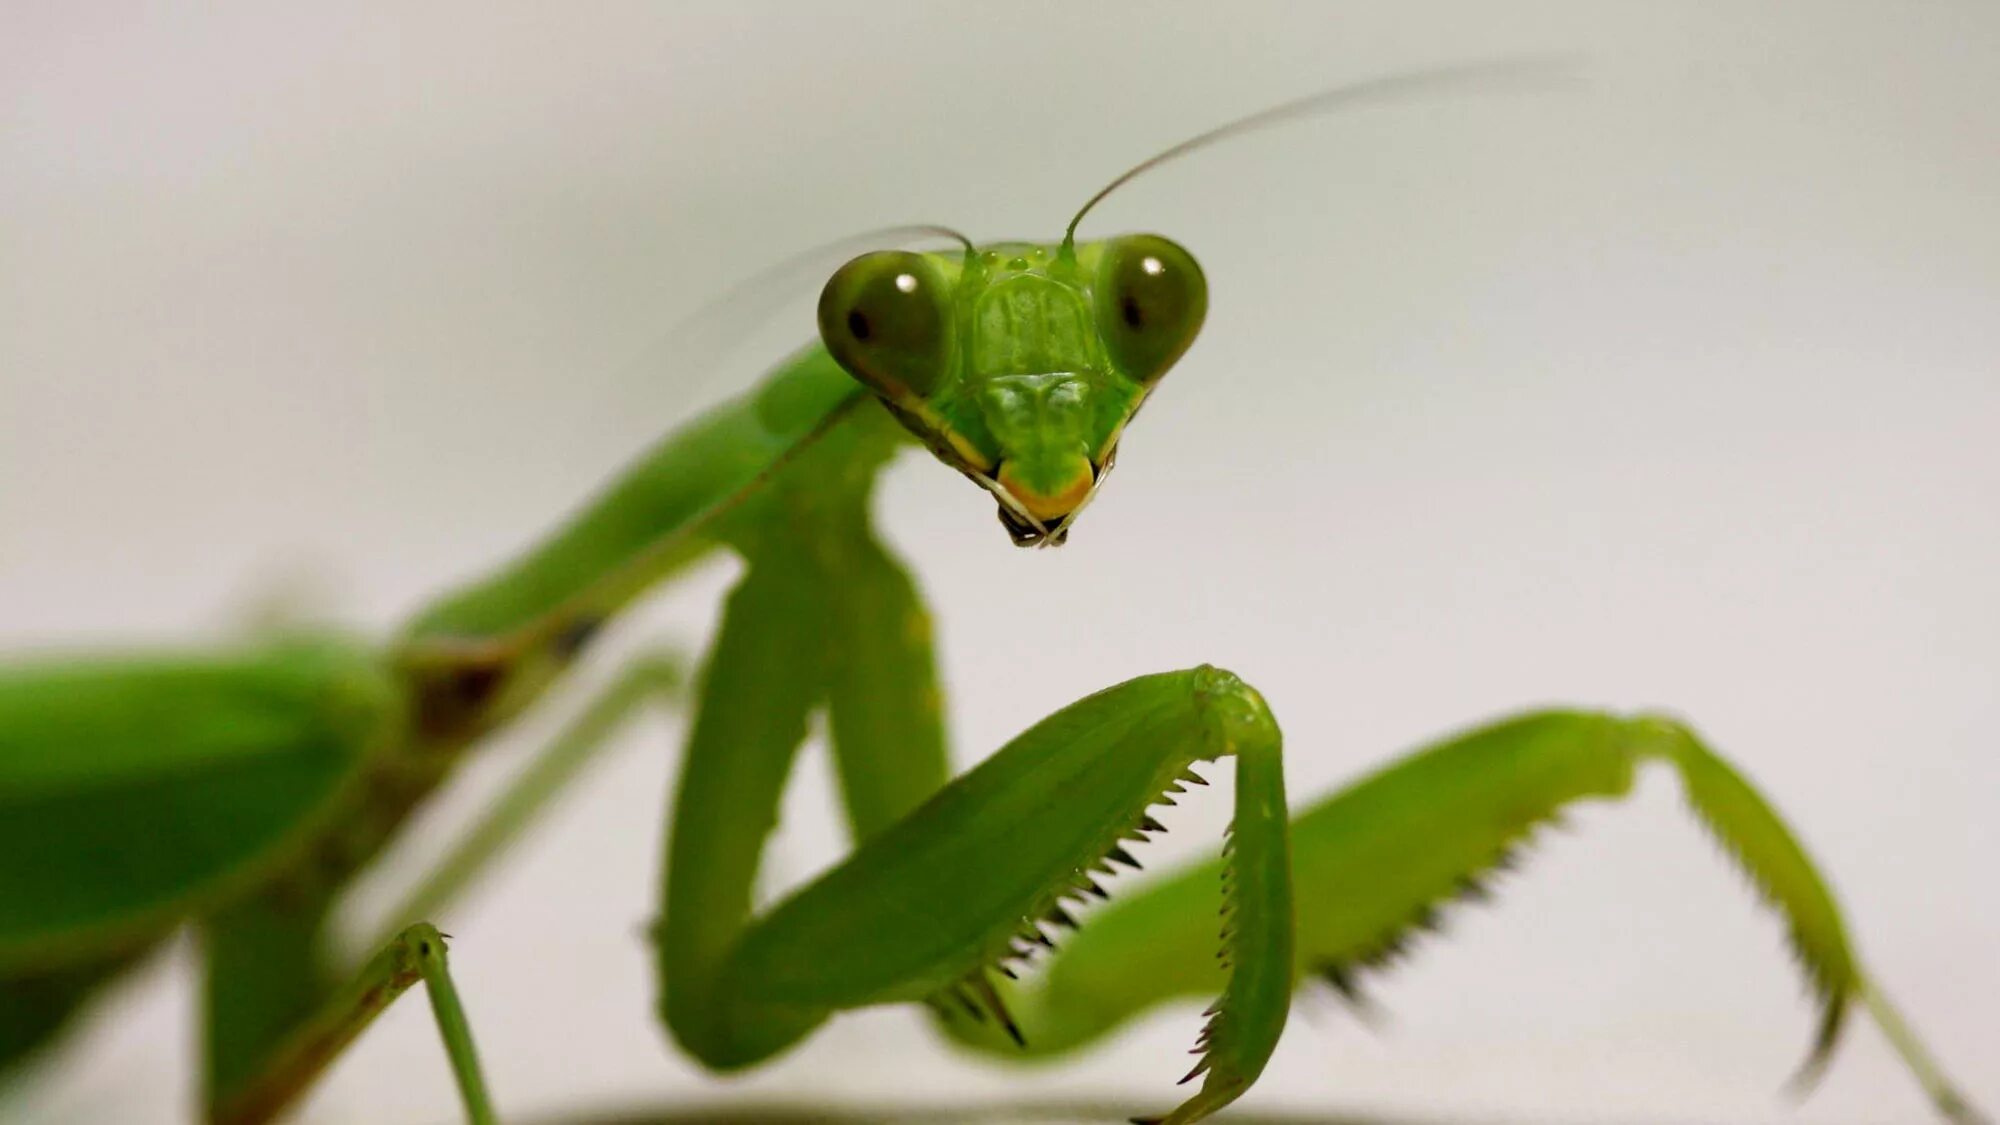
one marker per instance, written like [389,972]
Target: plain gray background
[1677,387]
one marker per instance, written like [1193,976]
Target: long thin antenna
[1540,69]
[705,336]
[752,299]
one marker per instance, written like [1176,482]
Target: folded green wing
[134,789]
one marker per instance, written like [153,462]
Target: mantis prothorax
[240,791]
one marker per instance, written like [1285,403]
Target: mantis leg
[765,673]
[266,975]
[1386,855]
[930,906]
[884,705]
[804,597]
[418,953]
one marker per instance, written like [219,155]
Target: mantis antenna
[1479,75]
[757,294]
[725,320]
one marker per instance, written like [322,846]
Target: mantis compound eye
[886,319]
[1151,298]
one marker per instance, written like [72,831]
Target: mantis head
[1018,364]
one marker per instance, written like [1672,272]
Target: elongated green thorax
[1018,363]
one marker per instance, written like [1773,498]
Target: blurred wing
[132,790]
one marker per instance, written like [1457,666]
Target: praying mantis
[241,791]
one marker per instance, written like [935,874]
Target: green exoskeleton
[239,792]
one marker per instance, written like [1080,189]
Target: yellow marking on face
[929,425]
[967,450]
[1053,505]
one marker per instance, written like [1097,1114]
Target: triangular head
[1018,363]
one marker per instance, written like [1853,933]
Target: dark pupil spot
[1129,309]
[858,326]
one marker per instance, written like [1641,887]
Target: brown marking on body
[453,697]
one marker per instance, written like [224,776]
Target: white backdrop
[1677,389]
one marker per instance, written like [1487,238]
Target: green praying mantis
[240,792]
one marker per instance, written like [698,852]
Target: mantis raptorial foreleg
[763,677]
[933,906]
[416,954]
[951,879]
[884,705]
[1385,856]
